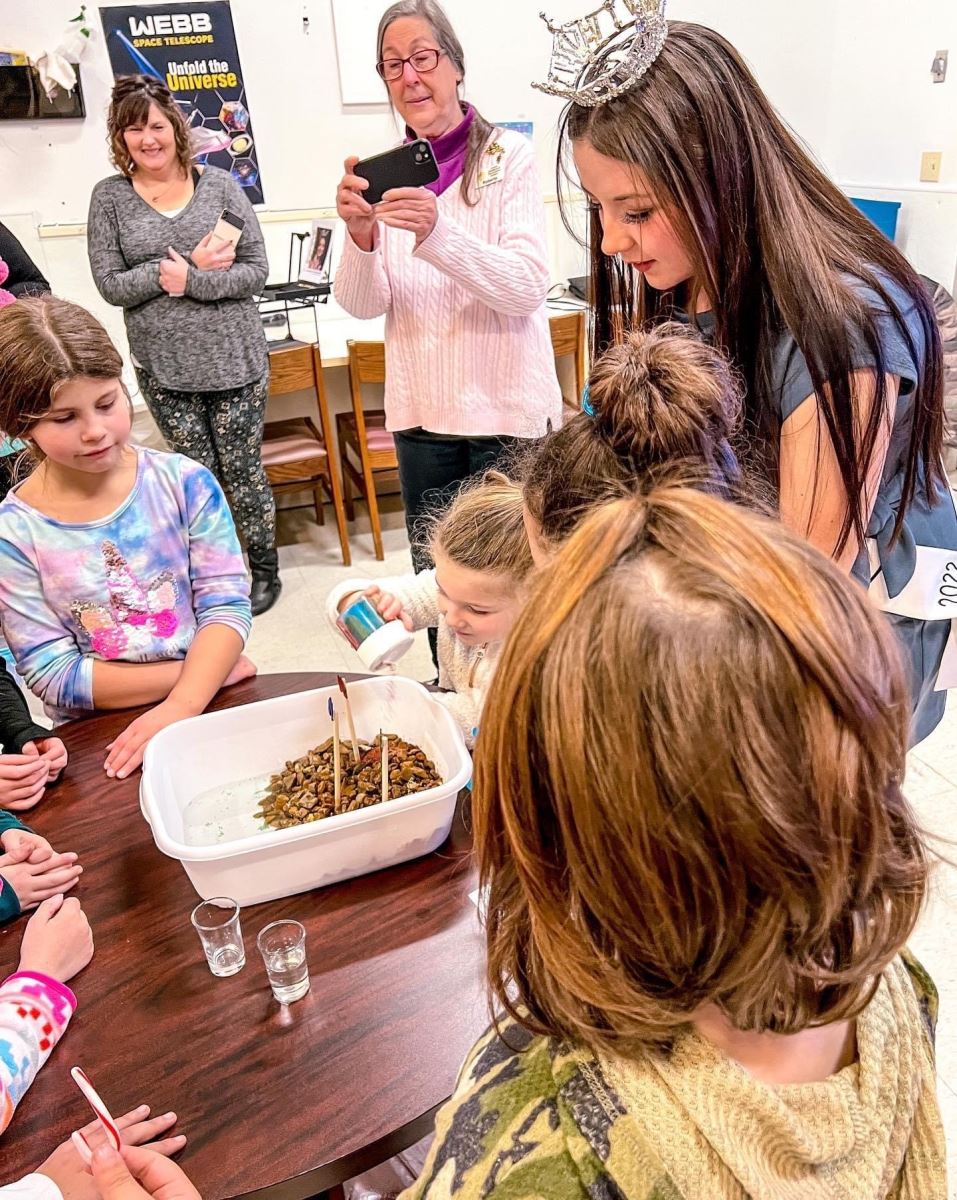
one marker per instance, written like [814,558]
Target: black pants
[431,468]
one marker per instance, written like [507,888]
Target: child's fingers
[54,881]
[23,770]
[145,1131]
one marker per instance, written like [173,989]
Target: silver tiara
[603,54]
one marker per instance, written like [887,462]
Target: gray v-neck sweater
[211,339]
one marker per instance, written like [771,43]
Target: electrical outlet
[930,166]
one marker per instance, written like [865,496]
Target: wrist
[181,705]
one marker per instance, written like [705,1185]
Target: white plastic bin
[192,757]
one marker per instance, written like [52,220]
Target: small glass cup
[217,923]
[283,947]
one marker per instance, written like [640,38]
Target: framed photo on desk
[318,254]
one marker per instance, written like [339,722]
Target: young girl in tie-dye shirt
[121,577]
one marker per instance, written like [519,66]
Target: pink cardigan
[468,349]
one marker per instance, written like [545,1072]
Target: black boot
[266,585]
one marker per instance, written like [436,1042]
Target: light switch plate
[930,166]
[938,68]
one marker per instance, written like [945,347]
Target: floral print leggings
[224,432]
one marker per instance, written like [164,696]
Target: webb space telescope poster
[192,49]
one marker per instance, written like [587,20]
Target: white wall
[850,76]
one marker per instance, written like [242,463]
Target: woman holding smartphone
[162,245]
[460,268]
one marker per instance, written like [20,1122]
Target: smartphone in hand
[229,227]
[411,165]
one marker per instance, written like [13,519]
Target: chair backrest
[294,368]
[299,368]
[568,337]
[366,365]
[367,361]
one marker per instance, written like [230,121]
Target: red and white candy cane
[83,1147]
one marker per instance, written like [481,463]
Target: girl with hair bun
[661,403]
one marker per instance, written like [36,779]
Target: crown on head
[603,54]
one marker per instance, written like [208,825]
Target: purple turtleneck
[449,151]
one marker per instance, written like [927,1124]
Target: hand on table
[388,607]
[57,940]
[126,750]
[213,254]
[409,208]
[174,271]
[139,1174]
[52,751]
[73,1178]
[36,882]
[22,845]
[23,779]
[354,209]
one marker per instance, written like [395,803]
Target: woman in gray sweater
[188,299]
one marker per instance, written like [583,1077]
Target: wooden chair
[366,448]
[568,337]
[294,452]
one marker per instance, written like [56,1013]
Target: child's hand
[245,668]
[36,882]
[388,607]
[57,940]
[126,751]
[69,1172]
[139,1174]
[23,779]
[22,845]
[52,751]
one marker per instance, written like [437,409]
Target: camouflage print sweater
[532,1119]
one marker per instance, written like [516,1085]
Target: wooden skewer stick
[384,763]
[336,756]
[349,718]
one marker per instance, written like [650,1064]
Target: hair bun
[663,395]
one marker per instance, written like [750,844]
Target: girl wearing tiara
[704,206]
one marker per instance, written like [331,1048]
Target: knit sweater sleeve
[511,274]
[34,1013]
[115,280]
[361,285]
[248,273]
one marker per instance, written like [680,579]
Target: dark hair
[481,130]
[130,105]
[45,342]
[772,242]
[666,405]
[688,783]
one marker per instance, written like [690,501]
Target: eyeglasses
[422,62]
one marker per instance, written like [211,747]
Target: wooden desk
[277,1103]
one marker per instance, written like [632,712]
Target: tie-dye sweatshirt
[134,586]
[34,1013]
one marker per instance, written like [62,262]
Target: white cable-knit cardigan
[468,349]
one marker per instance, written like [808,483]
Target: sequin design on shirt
[136,616]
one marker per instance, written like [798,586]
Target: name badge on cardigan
[492,170]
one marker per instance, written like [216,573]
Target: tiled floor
[296,636]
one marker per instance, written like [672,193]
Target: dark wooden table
[275,1102]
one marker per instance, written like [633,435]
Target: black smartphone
[411,165]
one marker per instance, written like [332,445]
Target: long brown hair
[481,130]
[45,342]
[773,243]
[664,404]
[688,783]
[130,105]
